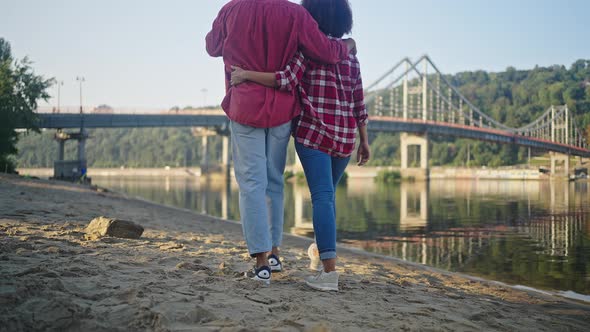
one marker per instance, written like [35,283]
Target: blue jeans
[322,172]
[259,156]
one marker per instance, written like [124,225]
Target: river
[530,233]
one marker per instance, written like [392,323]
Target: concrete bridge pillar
[82,145]
[82,158]
[408,140]
[73,170]
[204,154]
[223,162]
[61,150]
[556,157]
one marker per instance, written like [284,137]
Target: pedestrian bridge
[413,98]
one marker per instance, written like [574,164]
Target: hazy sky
[152,53]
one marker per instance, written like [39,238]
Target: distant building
[103,109]
[191,110]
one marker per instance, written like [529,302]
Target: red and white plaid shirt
[332,103]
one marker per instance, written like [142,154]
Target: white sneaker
[324,281]
[315,263]
[275,263]
[261,274]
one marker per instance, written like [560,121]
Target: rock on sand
[103,226]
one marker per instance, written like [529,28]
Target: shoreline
[189,276]
[353,171]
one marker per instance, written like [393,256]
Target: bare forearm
[363,134]
[266,79]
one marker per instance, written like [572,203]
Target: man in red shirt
[263,35]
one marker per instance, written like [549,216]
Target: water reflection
[413,206]
[534,233]
[302,223]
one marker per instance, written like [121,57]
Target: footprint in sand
[192,267]
[171,246]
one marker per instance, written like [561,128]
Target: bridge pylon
[71,170]
[408,139]
[225,162]
[422,172]
[560,157]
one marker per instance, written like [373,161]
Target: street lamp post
[80,79]
[59,85]
[83,136]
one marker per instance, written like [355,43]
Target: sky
[151,54]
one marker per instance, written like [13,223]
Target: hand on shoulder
[351,45]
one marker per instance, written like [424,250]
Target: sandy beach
[186,274]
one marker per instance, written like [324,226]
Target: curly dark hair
[333,16]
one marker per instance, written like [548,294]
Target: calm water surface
[532,233]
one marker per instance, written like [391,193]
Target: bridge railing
[125,110]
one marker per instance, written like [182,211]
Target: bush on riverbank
[386,176]
[300,177]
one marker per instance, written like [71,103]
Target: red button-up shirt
[332,100]
[263,35]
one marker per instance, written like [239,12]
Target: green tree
[20,89]
[556,93]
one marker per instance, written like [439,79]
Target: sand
[185,274]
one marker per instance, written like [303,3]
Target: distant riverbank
[478,173]
[353,171]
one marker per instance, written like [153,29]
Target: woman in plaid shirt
[333,109]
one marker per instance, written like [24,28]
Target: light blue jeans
[259,156]
[323,172]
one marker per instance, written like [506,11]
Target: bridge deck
[377,123]
[394,124]
[67,121]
